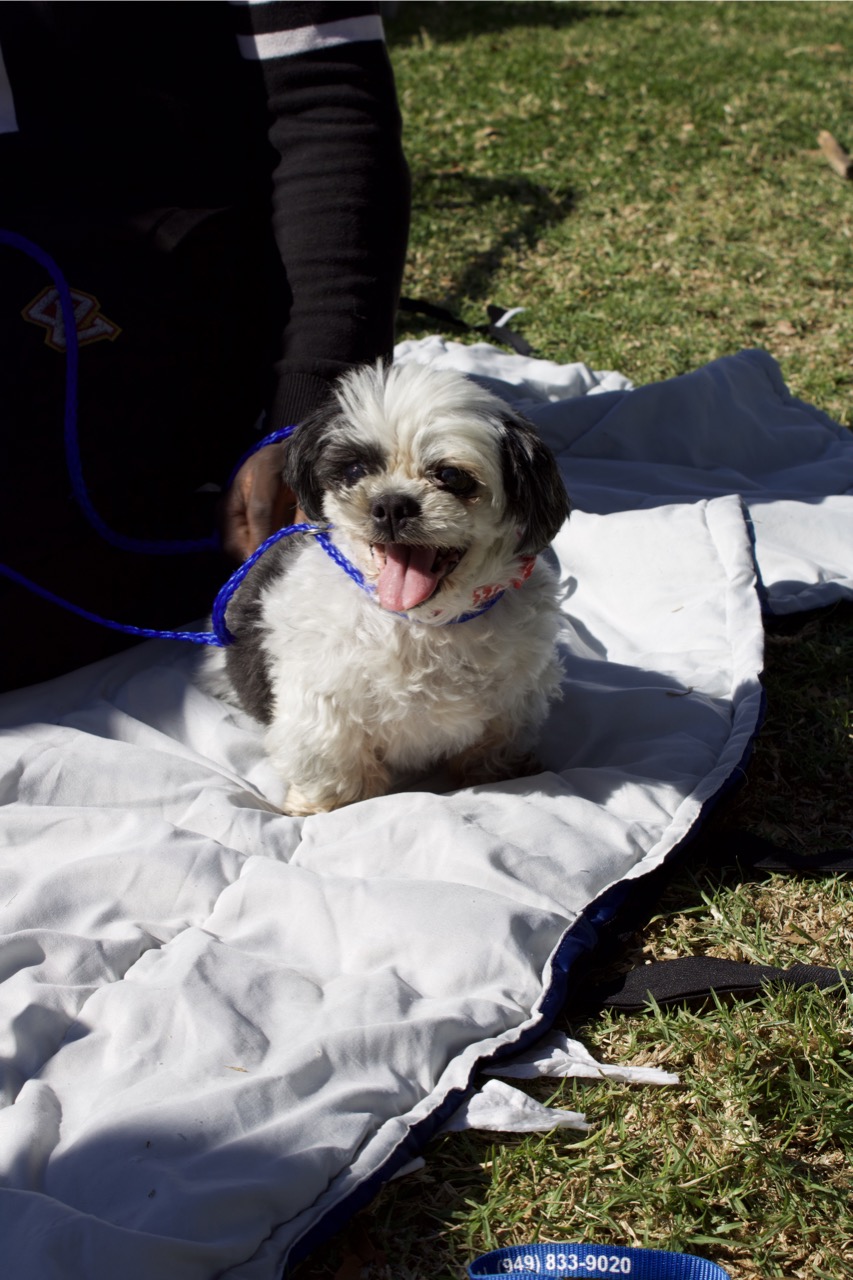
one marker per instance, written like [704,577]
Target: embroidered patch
[91,324]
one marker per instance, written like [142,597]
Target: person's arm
[341,198]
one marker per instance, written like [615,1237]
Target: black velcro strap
[494,329]
[763,855]
[812,975]
[831,862]
[694,978]
[502,332]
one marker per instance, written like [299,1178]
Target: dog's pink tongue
[407,578]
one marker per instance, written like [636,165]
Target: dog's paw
[298,805]
[303,800]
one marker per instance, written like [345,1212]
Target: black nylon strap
[692,978]
[763,855]
[494,329]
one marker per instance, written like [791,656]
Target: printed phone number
[602,1264]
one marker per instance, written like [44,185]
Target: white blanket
[221,1028]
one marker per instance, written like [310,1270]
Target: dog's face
[437,491]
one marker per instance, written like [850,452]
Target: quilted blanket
[221,1029]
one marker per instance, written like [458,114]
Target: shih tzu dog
[418,627]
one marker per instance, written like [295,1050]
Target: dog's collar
[484,598]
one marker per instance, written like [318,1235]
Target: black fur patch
[340,454]
[301,459]
[535,494]
[320,453]
[246,660]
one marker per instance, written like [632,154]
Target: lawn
[645,180]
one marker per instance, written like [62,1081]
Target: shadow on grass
[406,22]
[519,210]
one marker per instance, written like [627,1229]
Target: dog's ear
[533,487]
[302,460]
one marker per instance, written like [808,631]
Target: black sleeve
[341,191]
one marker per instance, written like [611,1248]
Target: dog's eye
[455,481]
[354,471]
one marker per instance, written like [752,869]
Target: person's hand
[257,503]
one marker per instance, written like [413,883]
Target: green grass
[645,180]
[643,177]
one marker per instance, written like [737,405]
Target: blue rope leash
[220,635]
[145,633]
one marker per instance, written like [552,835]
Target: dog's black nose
[391,513]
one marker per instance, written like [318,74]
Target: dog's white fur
[356,695]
